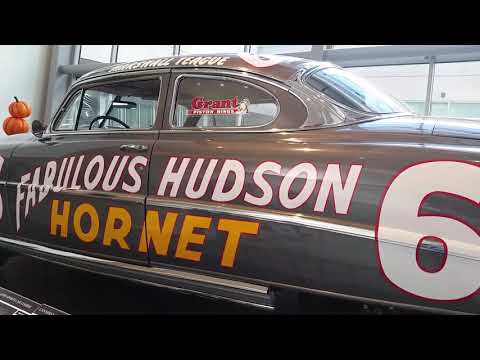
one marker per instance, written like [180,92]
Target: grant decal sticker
[202,106]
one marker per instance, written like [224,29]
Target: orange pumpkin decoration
[19,109]
[13,125]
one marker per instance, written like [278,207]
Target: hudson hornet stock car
[239,176]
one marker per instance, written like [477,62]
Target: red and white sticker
[232,106]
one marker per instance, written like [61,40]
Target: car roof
[277,67]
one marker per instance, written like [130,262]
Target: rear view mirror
[124,104]
[37,128]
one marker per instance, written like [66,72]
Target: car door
[81,186]
[219,130]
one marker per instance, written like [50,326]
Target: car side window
[218,102]
[121,105]
[68,118]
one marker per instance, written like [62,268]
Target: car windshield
[353,91]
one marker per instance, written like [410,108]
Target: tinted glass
[68,118]
[353,91]
[210,103]
[129,104]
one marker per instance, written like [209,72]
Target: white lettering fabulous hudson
[196,184]
[77,173]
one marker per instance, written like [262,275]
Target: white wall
[24,74]
[459,81]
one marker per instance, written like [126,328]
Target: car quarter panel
[311,221]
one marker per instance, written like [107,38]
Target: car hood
[18,138]
[9,143]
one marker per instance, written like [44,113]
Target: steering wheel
[107,117]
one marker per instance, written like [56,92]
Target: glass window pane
[456,90]
[353,91]
[407,83]
[100,53]
[69,117]
[207,103]
[210,49]
[133,103]
[128,53]
[280,49]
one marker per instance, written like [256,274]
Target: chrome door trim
[259,290]
[81,84]
[269,215]
[308,221]
[180,274]
[102,132]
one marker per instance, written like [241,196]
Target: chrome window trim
[286,86]
[240,73]
[107,77]
[89,83]
[184,75]
[152,131]
[275,130]
[63,107]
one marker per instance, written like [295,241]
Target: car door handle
[134,147]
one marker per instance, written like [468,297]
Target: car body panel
[79,151]
[299,247]
[119,195]
[316,223]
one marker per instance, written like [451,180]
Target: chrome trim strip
[103,132]
[295,219]
[215,281]
[152,270]
[13,306]
[80,86]
[299,220]
[121,76]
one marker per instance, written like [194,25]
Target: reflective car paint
[330,250]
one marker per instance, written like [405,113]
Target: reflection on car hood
[460,128]
[17,138]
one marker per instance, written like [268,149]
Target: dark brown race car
[238,175]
